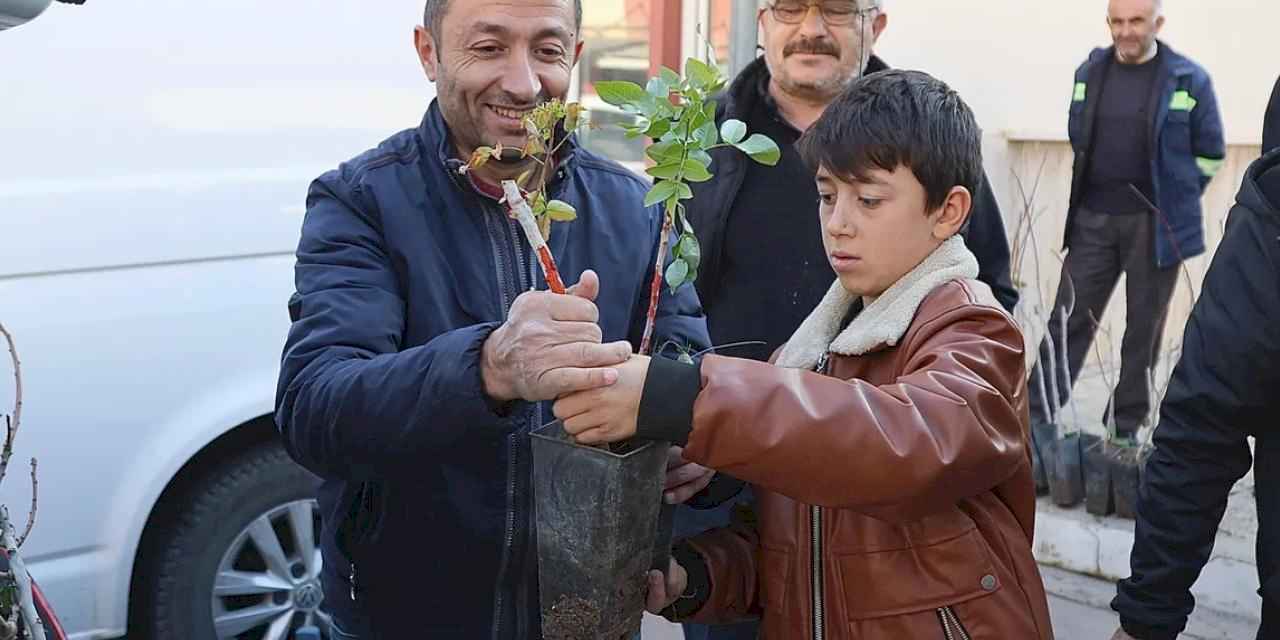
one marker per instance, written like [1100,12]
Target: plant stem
[22,579]
[524,215]
[655,288]
[13,422]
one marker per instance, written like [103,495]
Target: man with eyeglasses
[759,226]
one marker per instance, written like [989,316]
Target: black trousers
[1104,245]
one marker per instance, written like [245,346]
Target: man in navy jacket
[1147,136]
[420,354]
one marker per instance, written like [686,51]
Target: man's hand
[684,479]
[1121,635]
[608,414]
[665,589]
[550,346]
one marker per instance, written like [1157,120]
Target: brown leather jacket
[894,493]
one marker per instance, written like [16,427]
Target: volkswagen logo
[308,597]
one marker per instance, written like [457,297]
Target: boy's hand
[607,414]
[684,479]
[666,589]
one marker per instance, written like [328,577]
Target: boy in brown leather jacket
[888,441]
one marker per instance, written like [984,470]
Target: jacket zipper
[951,627]
[505,284]
[819,629]
[815,518]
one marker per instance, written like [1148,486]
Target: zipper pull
[823,361]
[352,578]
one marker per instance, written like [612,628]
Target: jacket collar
[883,322]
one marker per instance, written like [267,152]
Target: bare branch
[13,422]
[31,515]
[1066,310]
[1108,377]
[35,628]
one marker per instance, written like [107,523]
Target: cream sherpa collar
[885,320]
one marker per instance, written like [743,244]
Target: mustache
[815,46]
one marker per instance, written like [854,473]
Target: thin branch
[1068,308]
[31,515]
[13,422]
[27,607]
[1107,377]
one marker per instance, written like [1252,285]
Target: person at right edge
[1147,136]
[1222,391]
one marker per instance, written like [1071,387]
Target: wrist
[496,385]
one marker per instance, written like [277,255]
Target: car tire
[228,565]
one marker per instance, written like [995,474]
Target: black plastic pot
[1066,476]
[1042,436]
[1098,498]
[597,513]
[1124,463]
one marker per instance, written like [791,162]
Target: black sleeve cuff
[697,591]
[666,404]
[1144,632]
[722,489]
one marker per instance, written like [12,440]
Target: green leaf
[669,76]
[658,88]
[662,190]
[761,149]
[733,131]
[677,271]
[561,211]
[706,135]
[690,251]
[667,171]
[710,109]
[620,92]
[684,357]
[665,152]
[695,172]
[701,75]
[699,116]
[658,129]
[701,156]
[683,191]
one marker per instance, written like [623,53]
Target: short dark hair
[899,118]
[433,15]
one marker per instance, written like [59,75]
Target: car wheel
[242,560]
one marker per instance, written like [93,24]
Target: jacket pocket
[918,579]
[361,518]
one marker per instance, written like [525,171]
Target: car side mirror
[14,13]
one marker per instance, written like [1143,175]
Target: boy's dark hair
[899,118]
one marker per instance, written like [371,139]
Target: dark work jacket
[403,270]
[1189,149]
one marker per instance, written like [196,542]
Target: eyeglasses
[836,13]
